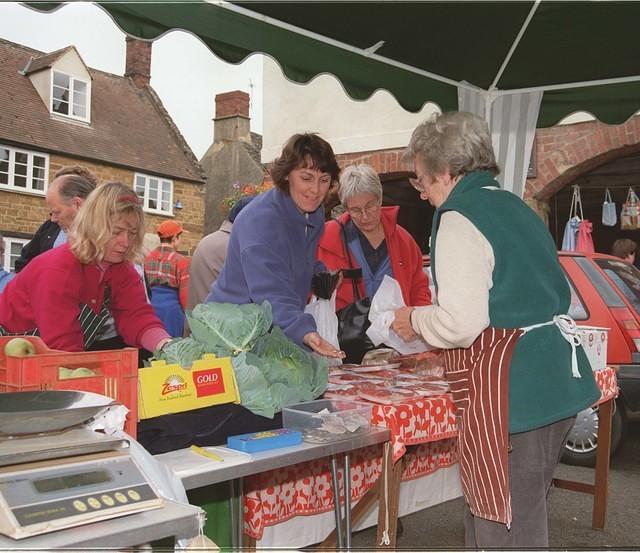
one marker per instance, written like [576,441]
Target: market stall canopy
[582,55]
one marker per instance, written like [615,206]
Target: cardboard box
[594,342]
[166,389]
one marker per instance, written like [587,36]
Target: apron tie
[569,330]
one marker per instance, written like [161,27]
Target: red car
[605,292]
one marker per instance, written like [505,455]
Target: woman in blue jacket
[272,250]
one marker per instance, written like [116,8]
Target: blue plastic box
[262,441]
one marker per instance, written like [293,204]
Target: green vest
[529,287]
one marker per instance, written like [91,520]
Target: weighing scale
[56,473]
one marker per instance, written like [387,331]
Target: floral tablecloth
[305,489]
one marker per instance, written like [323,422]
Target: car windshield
[625,276]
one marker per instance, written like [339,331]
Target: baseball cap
[167,229]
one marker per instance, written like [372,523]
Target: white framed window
[155,192]
[22,170]
[70,96]
[12,249]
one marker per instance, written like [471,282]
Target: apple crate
[116,374]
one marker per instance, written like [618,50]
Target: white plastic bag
[324,313]
[384,303]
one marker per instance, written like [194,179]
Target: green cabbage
[183,351]
[271,371]
[227,329]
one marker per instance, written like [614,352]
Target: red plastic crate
[116,374]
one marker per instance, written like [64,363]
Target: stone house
[56,111]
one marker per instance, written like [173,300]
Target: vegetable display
[271,371]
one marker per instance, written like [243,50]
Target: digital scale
[56,473]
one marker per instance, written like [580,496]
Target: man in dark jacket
[66,193]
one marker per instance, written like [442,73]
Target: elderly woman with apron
[65,295]
[514,364]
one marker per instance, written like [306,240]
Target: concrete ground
[440,527]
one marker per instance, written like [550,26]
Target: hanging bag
[629,219]
[571,228]
[609,214]
[584,241]
[353,319]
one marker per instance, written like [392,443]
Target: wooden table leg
[389,498]
[601,489]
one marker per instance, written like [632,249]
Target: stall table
[196,471]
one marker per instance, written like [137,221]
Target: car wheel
[582,443]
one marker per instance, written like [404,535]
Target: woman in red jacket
[66,294]
[377,244]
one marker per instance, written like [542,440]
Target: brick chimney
[232,117]
[138,64]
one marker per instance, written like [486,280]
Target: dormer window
[70,96]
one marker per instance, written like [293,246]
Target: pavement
[440,527]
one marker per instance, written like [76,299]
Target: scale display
[45,496]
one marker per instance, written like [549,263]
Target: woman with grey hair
[514,365]
[367,237]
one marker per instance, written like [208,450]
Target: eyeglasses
[417,183]
[369,209]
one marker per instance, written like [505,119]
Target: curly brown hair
[304,150]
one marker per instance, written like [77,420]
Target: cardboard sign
[168,389]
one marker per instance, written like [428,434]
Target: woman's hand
[318,344]
[401,325]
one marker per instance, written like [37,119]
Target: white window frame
[147,198]
[8,240]
[12,173]
[72,91]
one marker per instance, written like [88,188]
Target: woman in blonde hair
[66,294]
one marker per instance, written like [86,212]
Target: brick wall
[21,214]
[565,152]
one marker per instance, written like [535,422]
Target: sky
[184,72]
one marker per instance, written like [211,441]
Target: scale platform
[55,473]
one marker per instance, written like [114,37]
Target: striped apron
[90,322]
[479,380]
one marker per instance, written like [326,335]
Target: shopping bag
[609,214]
[575,216]
[584,242]
[353,322]
[324,313]
[385,301]
[570,233]
[629,219]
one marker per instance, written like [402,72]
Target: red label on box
[208,382]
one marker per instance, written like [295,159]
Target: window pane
[79,87]
[152,204]
[166,195]
[4,166]
[164,206]
[20,170]
[14,253]
[61,80]
[79,110]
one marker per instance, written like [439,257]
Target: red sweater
[48,292]
[406,260]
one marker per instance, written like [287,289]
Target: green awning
[584,55]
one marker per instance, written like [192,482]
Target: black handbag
[353,319]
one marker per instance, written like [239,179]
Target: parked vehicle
[605,292]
